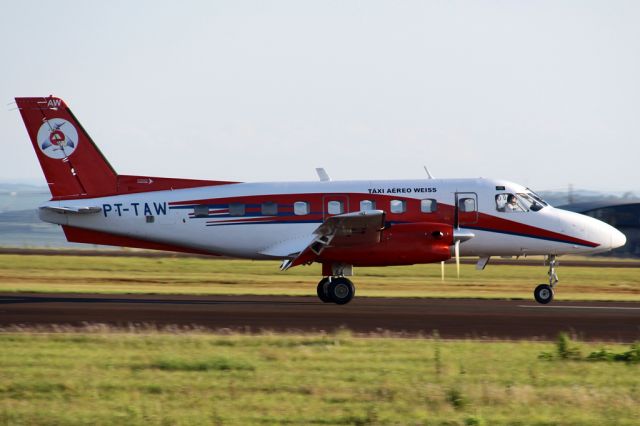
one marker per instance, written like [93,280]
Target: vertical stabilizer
[72,164]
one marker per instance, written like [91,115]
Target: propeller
[456,249]
[460,236]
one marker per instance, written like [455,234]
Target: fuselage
[248,219]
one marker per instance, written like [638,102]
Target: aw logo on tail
[57,138]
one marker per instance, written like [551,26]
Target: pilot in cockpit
[508,203]
[512,204]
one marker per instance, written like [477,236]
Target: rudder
[72,164]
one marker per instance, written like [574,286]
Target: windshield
[537,198]
[530,202]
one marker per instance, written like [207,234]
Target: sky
[543,93]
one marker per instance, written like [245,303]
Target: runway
[452,318]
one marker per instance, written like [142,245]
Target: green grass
[192,379]
[183,275]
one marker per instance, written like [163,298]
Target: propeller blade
[457,253]
[442,270]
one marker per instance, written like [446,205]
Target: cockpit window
[530,202]
[518,203]
[536,197]
[508,203]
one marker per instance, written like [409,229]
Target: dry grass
[213,276]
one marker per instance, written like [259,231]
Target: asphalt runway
[452,318]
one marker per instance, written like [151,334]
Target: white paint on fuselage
[248,240]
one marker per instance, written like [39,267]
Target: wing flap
[288,248]
[352,229]
[345,230]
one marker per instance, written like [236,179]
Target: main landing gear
[544,292]
[336,289]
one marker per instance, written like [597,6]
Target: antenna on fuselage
[428,173]
[322,174]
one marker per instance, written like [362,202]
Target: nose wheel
[544,292]
[338,290]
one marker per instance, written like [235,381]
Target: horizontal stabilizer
[72,210]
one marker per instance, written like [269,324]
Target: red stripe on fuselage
[444,213]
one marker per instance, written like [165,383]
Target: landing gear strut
[544,292]
[336,289]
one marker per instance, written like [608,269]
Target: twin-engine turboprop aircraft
[338,224]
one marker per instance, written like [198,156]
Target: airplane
[339,224]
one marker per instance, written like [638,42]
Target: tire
[353,288]
[341,290]
[322,290]
[543,294]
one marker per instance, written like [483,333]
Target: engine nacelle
[400,244]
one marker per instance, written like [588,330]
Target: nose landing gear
[544,292]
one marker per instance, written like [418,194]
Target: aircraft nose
[618,239]
[607,237]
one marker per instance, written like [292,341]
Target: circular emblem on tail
[57,138]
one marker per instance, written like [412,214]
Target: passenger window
[201,211]
[467,205]
[335,207]
[428,206]
[367,205]
[269,209]
[236,209]
[300,208]
[398,206]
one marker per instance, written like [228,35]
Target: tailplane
[72,164]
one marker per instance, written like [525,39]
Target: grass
[565,350]
[182,275]
[191,379]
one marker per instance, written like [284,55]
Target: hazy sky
[544,93]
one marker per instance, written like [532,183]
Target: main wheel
[322,290]
[543,294]
[341,290]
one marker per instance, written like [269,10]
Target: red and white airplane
[338,224]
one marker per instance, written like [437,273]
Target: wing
[345,230]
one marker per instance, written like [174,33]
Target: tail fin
[72,164]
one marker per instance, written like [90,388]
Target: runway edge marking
[625,308]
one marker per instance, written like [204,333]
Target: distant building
[624,215]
